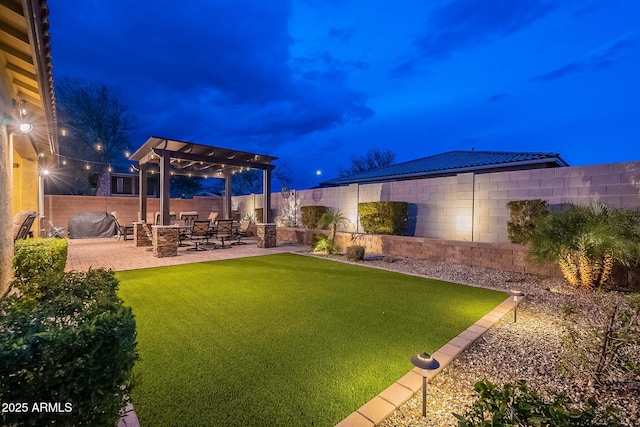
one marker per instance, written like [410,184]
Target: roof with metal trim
[451,163]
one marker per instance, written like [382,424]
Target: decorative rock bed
[529,349]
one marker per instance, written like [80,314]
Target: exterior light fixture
[24,126]
[426,362]
[515,295]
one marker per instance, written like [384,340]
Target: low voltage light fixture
[426,362]
[515,295]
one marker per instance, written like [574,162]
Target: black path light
[425,362]
[515,295]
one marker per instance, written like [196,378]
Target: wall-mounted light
[24,126]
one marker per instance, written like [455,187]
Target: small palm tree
[586,241]
[332,220]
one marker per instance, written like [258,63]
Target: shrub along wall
[499,256]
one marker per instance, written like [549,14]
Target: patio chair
[242,231]
[22,222]
[122,230]
[224,231]
[213,218]
[188,217]
[156,217]
[199,234]
[57,232]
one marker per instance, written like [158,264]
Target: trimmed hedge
[311,215]
[66,341]
[383,217]
[35,257]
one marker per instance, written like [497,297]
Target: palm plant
[332,220]
[586,241]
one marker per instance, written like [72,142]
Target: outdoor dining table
[183,232]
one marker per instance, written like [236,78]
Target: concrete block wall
[472,207]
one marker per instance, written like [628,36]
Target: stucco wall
[59,209]
[472,207]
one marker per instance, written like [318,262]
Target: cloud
[342,34]
[606,56]
[220,70]
[497,97]
[461,25]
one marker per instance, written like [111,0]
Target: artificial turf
[282,340]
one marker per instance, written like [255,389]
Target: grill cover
[88,225]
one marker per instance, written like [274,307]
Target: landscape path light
[515,294]
[426,362]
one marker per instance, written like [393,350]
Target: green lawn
[282,340]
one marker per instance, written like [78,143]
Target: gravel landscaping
[530,349]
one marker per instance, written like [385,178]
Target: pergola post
[266,194]
[165,189]
[142,189]
[227,194]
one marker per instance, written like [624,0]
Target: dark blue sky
[316,81]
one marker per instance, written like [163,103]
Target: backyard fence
[467,206]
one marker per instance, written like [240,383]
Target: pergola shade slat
[173,157]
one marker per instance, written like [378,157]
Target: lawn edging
[380,407]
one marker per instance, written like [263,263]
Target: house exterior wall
[25,182]
[472,207]
[6,167]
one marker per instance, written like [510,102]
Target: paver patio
[124,255]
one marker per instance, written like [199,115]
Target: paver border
[380,407]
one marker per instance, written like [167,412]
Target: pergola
[171,157]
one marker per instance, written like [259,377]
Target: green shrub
[355,253]
[311,215]
[71,343]
[326,246]
[35,257]
[524,214]
[383,217]
[317,237]
[520,406]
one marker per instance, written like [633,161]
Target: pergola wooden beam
[169,155]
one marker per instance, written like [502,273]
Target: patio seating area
[124,255]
